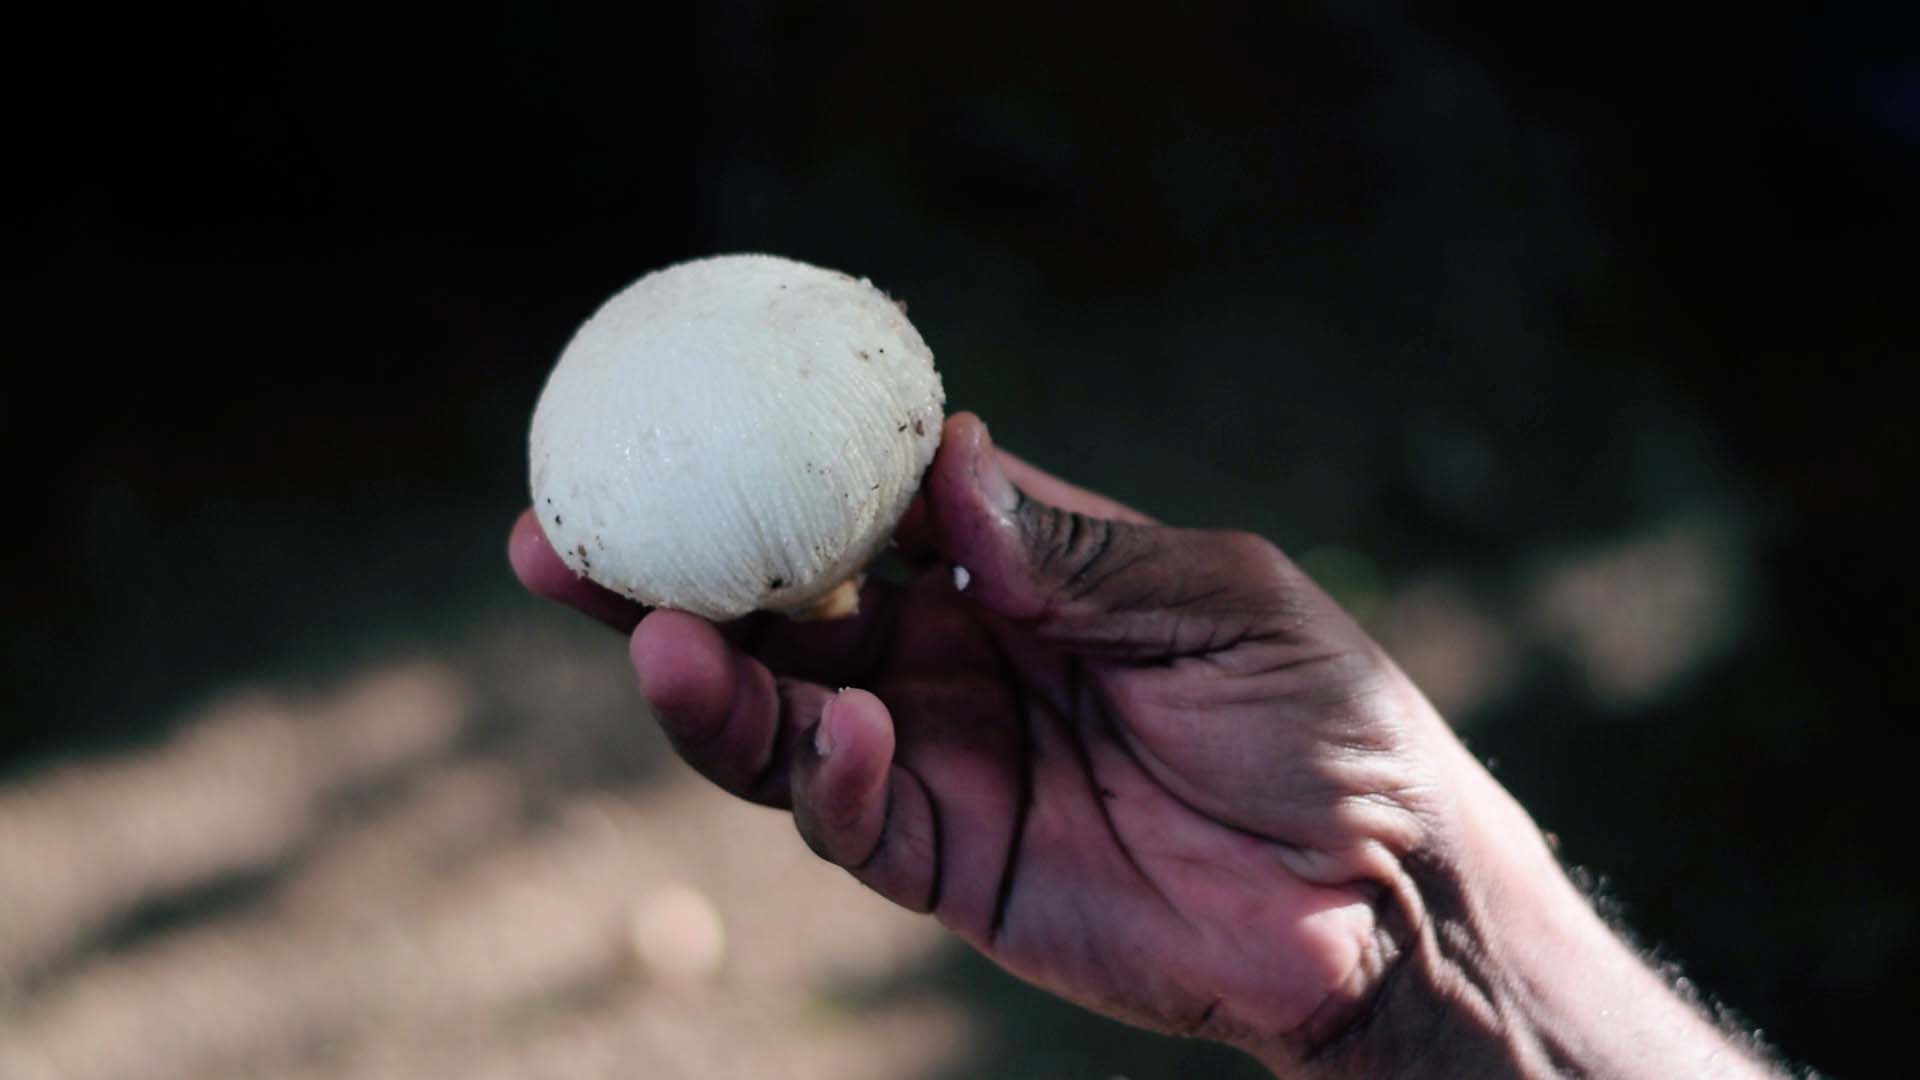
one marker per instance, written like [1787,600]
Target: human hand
[1153,770]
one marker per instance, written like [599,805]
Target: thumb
[1099,585]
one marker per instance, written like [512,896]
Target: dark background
[1437,296]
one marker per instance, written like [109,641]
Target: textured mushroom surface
[735,433]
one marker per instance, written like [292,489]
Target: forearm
[1506,970]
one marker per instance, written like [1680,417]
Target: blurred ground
[477,858]
[431,871]
[470,863]
[1571,355]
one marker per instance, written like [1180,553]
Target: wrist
[1503,968]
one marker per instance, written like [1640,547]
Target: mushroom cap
[734,433]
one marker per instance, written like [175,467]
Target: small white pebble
[677,933]
[961,577]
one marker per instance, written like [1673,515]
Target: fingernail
[993,483]
[823,731]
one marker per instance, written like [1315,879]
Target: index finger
[836,650]
[540,569]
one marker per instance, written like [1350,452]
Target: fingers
[918,540]
[793,744]
[831,651]
[541,571]
[724,712]
[858,809]
[834,651]
[1099,584]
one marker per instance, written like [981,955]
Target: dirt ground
[481,863]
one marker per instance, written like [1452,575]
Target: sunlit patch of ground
[1633,617]
[472,864]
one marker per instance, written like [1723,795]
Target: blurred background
[1568,353]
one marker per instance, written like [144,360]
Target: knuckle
[1259,561]
[1270,580]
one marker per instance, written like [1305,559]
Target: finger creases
[1098,584]
[726,714]
[857,808]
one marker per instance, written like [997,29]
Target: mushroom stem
[843,602]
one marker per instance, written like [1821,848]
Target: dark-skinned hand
[1153,770]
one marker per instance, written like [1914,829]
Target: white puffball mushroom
[734,434]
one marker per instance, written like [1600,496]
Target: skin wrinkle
[1208,643]
[1245,688]
[1127,742]
[769,784]
[1103,532]
[1406,933]
[1061,540]
[1059,692]
[1193,1030]
[1145,598]
[1129,643]
[1452,951]
[1204,596]
[880,838]
[891,853]
[1128,561]
[1379,951]
[1081,753]
[1149,764]
[936,887]
[1023,813]
[1071,523]
[943,852]
[1259,652]
[1043,526]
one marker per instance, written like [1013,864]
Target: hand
[1153,770]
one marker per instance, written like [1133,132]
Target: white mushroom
[735,433]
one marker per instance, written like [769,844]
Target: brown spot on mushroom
[776,582]
[863,354]
[919,426]
[582,549]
